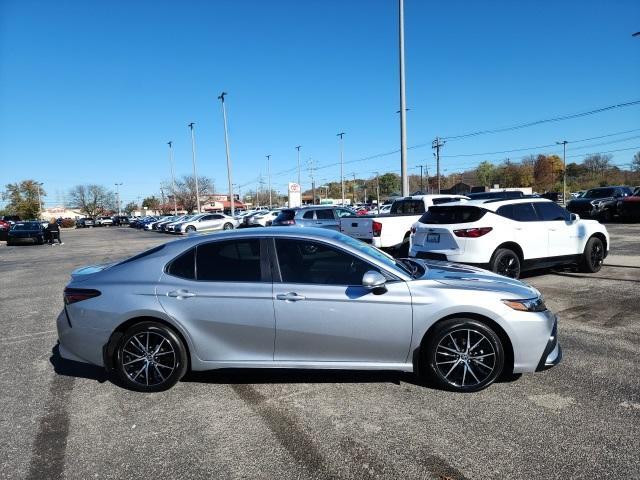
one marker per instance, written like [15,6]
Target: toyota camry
[313,298]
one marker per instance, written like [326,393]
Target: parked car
[505,194]
[628,208]
[104,222]
[120,220]
[335,301]
[85,222]
[392,230]
[153,225]
[510,236]
[173,226]
[264,219]
[599,203]
[207,222]
[321,216]
[26,232]
[10,219]
[246,219]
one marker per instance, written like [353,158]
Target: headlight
[527,304]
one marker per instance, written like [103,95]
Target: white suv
[509,236]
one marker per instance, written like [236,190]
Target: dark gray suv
[323,216]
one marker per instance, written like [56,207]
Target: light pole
[118,196]
[39,200]
[226,143]
[269,178]
[173,179]
[298,149]
[378,189]
[403,107]
[341,134]
[564,170]
[193,156]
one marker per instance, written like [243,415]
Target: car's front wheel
[506,262]
[190,229]
[150,357]
[227,226]
[463,355]
[593,256]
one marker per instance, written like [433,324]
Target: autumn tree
[186,191]
[635,163]
[22,198]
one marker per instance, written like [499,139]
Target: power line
[547,120]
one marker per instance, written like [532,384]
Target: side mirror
[373,279]
[574,217]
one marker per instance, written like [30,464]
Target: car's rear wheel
[190,229]
[593,256]
[150,357]
[506,262]
[227,226]
[463,355]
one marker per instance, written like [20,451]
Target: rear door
[527,230]
[325,218]
[221,292]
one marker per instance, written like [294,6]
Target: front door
[324,314]
[220,294]
[564,236]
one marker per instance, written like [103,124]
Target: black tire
[155,368]
[40,241]
[227,226]
[606,216]
[463,355]
[593,256]
[190,229]
[506,262]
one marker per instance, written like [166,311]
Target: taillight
[472,232]
[377,228]
[287,222]
[73,295]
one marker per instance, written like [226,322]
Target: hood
[464,277]
[83,273]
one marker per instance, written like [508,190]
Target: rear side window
[231,261]
[324,214]
[308,215]
[520,212]
[412,207]
[184,266]
[285,216]
[143,254]
[449,215]
[549,212]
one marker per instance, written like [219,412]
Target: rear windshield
[448,215]
[599,193]
[285,216]
[27,226]
[490,195]
[414,207]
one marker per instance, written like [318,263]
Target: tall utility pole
[353,188]
[260,188]
[269,178]
[341,134]
[39,200]
[298,149]
[226,143]
[378,189]
[436,145]
[313,181]
[173,179]
[195,171]
[564,170]
[421,182]
[403,108]
[426,170]
[118,196]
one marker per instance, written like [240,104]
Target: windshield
[27,226]
[409,206]
[599,193]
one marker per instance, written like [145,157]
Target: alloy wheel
[227,226]
[465,358]
[596,255]
[148,358]
[508,266]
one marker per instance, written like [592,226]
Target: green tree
[389,183]
[151,203]
[484,173]
[22,198]
[130,207]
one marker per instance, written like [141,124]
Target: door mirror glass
[574,217]
[373,279]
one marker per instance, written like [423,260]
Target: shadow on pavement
[69,368]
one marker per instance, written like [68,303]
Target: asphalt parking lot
[61,420]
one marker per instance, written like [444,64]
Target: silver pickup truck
[392,230]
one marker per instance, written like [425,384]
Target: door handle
[291,296]
[180,294]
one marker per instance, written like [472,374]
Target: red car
[629,207]
[5,224]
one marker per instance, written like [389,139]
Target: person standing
[53,229]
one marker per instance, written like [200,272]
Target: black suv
[599,203]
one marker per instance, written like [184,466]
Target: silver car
[301,298]
[321,216]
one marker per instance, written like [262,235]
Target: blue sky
[92,91]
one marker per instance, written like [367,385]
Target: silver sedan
[308,298]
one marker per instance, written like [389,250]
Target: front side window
[520,212]
[550,212]
[303,261]
[409,207]
[230,261]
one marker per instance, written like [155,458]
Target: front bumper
[552,354]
